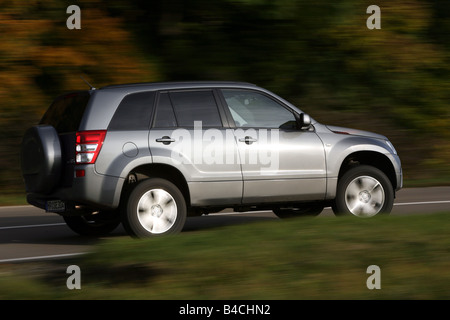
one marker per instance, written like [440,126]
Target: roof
[178,85]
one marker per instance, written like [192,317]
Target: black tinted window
[193,106]
[65,113]
[134,112]
[164,113]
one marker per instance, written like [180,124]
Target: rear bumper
[93,190]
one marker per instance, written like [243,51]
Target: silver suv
[149,155]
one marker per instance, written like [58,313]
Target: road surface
[30,234]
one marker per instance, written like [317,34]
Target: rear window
[66,112]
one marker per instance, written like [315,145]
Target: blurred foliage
[319,55]
[41,58]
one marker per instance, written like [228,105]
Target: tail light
[88,145]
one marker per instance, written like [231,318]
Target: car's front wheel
[364,191]
[154,207]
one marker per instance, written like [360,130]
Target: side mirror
[303,121]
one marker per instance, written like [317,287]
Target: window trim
[158,98]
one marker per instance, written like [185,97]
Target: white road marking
[42,257]
[423,202]
[34,226]
[219,213]
[395,204]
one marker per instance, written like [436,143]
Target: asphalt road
[31,234]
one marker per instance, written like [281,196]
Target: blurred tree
[41,58]
[318,54]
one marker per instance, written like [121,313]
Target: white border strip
[418,203]
[34,226]
[43,257]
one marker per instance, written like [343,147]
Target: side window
[165,117]
[253,109]
[134,112]
[193,106]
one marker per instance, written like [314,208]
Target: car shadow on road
[58,234]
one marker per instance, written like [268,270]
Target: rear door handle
[248,140]
[165,140]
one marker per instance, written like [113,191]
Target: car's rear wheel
[96,224]
[364,191]
[154,207]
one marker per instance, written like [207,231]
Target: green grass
[14,199]
[321,258]
[441,181]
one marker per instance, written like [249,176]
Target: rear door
[188,133]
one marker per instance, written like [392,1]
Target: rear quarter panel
[122,151]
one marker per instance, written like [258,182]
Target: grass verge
[15,199]
[300,259]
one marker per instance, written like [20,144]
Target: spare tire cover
[41,159]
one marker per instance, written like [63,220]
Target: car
[149,155]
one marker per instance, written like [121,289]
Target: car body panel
[282,165]
[210,168]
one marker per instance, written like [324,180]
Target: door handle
[248,140]
[165,140]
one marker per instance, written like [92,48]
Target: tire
[155,207]
[41,162]
[306,211]
[363,191]
[99,224]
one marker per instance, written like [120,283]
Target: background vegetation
[318,54]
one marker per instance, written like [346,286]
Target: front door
[279,162]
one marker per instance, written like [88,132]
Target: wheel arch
[156,170]
[371,158]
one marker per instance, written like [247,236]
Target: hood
[355,132]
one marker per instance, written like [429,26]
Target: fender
[338,149]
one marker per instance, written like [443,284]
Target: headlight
[391,146]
